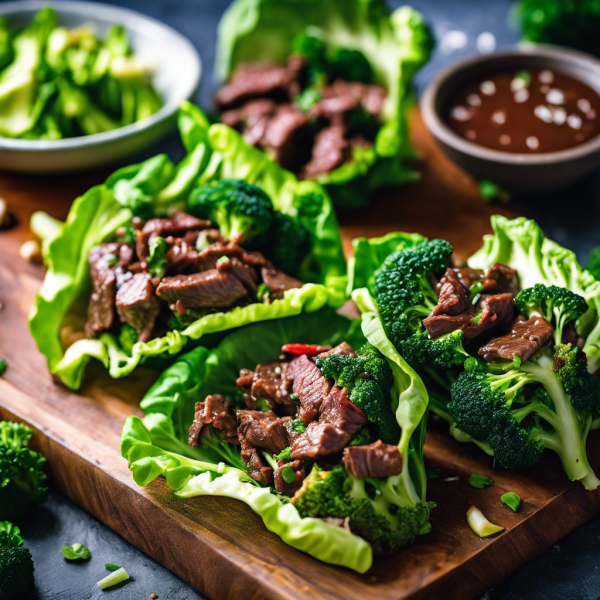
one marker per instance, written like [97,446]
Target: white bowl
[177,76]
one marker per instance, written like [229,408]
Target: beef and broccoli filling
[165,273]
[318,422]
[310,113]
[509,359]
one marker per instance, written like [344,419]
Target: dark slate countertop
[568,571]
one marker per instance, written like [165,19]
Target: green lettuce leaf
[411,394]
[521,244]
[157,446]
[396,45]
[150,188]
[369,254]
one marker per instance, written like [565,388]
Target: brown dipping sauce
[525,111]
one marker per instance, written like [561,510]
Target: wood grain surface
[218,545]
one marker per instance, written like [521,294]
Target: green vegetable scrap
[480,481]
[76,552]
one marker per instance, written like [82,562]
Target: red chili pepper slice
[299,349]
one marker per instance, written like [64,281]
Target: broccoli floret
[520,411]
[368,378]
[403,289]
[574,23]
[16,564]
[444,352]
[361,437]
[313,49]
[243,212]
[350,65]
[21,472]
[375,402]
[592,264]
[342,368]
[288,243]
[378,510]
[557,305]
[582,387]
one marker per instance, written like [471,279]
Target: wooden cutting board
[218,545]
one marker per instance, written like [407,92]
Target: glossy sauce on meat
[526,112]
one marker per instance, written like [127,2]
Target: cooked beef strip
[344,348]
[340,412]
[282,486]
[182,257]
[178,224]
[216,412]
[277,281]
[497,313]
[257,470]
[443,324]
[208,289]
[270,434]
[468,276]
[287,135]
[101,311]
[138,306]
[335,105]
[330,150]
[371,97]
[245,378]
[500,279]
[251,119]
[312,388]
[269,381]
[253,80]
[525,338]
[245,274]
[319,439]
[374,460]
[454,298]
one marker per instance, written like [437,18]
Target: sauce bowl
[176,78]
[521,173]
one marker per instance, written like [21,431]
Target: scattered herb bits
[480,481]
[110,567]
[511,500]
[480,525]
[118,576]
[76,552]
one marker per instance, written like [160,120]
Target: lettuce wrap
[158,187]
[485,370]
[395,44]
[157,445]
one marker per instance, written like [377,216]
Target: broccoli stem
[567,439]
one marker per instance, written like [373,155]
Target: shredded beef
[371,97]
[344,348]
[319,439]
[454,298]
[138,306]
[270,382]
[442,324]
[501,279]
[277,281]
[375,460]
[312,388]
[497,313]
[282,486]
[287,134]
[216,412]
[330,150]
[253,80]
[525,338]
[340,412]
[468,276]
[243,273]
[101,311]
[208,289]
[269,433]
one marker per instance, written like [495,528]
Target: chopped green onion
[479,524]
[511,500]
[480,481]
[288,474]
[452,478]
[75,552]
[118,576]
